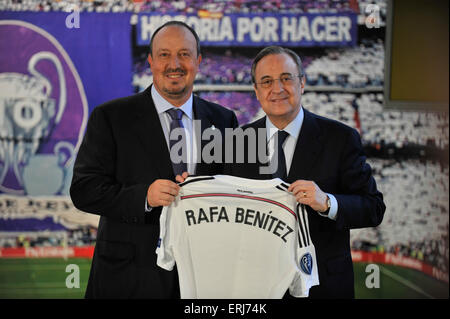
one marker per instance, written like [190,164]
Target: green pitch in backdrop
[46,278]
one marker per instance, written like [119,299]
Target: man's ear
[302,83]
[150,60]
[256,91]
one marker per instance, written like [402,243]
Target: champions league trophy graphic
[28,115]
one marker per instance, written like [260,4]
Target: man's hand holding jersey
[162,192]
[308,193]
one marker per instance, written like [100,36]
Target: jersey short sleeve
[307,272]
[164,249]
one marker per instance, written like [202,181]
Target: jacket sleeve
[94,188]
[360,204]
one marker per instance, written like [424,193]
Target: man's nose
[277,87]
[174,62]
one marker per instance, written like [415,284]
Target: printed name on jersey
[261,199]
[250,217]
[306,263]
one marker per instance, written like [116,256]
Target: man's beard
[175,92]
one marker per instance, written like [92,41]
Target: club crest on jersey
[306,263]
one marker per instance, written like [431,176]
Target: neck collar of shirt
[292,128]
[162,105]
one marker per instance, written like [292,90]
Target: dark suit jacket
[330,154]
[122,153]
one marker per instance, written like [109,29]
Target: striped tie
[176,115]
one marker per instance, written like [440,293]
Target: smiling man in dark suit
[324,162]
[124,173]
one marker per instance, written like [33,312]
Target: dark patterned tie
[281,171]
[176,115]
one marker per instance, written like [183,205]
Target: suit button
[123,219]
[135,220]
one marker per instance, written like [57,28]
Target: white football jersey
[233,237]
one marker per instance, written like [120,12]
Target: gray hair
[277,50]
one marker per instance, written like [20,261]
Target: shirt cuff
[332,213]
[148,208]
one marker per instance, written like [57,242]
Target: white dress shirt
[293,128]
[162,105]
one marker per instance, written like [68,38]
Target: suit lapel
[309,146]
[202,113]
[260,127]
[150,133]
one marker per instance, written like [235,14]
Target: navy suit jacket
[124,151]
[330,154]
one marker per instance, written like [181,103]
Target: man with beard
[125,170]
